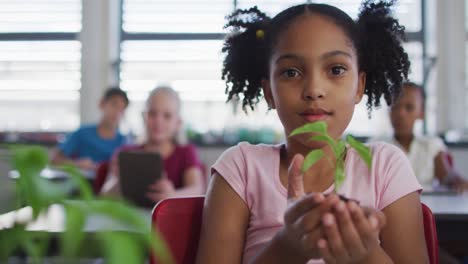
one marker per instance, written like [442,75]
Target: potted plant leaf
[319,133]
[117,247]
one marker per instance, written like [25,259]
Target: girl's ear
[361,87]
[267,93]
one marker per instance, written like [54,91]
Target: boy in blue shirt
[93,144]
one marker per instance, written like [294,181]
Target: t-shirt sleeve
[70,146]
[436,145]
[232,167]
[191,157]
[396,176]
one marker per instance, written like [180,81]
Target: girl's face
[406,110]
[162,117]
[314,76]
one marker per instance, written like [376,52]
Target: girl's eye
[291,73]
[409,108]
[337,70]
[152,113]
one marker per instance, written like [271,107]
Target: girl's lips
[314,117]
[315,114]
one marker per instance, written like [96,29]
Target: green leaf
[29,161]
[36,191]
[339,175]
[29,158]
[325,138]
[339,149]
[130,216]
[40,193]
[85,190]
[159,248]
[311,159]
[362,150]
[315,127]
[41,241]
[73,235]
[32,250]
[10,239]
[120,248]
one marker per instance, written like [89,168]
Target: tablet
[137,171]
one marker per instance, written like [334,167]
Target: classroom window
[175,16]
[40,16]
[179,43]
[270,7]
[39,65]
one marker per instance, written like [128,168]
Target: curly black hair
[376,35]
[244,66]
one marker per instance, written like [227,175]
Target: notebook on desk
[137,171]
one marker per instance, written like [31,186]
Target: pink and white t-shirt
[253,173]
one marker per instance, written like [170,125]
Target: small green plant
[117,247]
[319,131]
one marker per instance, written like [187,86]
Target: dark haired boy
[95,143]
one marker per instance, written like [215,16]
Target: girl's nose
[313,89]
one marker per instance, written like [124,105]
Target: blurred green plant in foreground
[117,247]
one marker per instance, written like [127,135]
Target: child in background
[312,62]
[93,144]
[428,155]
[183,169]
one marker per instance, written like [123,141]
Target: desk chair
[179,222]
[430,233]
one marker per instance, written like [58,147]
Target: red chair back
[101,175]
[178,220]
[430,233]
